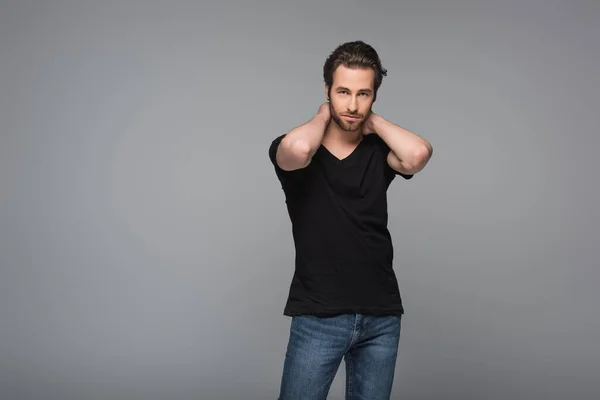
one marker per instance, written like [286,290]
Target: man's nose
[353,106]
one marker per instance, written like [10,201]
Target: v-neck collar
[346,159]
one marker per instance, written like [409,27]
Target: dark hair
[355,54]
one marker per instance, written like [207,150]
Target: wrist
[321,118]
[376,121]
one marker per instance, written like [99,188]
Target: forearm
[411,150]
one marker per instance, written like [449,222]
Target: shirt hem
[329,312]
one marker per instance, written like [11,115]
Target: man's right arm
[300,144]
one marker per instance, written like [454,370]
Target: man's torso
[344,252]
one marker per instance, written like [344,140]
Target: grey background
[145,248]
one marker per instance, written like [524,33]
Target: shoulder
[286,177]
[277,139]
[382,148]
[375,142]
[274,145]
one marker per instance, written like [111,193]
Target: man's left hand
[369,125]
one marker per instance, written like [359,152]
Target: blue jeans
[317,345]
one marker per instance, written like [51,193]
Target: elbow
[419,158]
[297,150]
[424,152]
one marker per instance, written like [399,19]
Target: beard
[349,126]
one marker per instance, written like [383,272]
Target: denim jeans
[317,345]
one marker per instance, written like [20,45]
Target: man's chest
[362,180]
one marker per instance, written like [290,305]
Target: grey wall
[145,248]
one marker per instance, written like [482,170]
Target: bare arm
[409,152]
[300,144]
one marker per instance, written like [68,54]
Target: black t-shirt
[344,252]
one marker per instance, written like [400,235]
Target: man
[335,170]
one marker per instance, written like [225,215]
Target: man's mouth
[352,117]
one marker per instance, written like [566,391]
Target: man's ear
[327,92]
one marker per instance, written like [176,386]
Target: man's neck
[336,135]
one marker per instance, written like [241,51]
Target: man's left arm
[409,152]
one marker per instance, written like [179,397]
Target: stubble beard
[345,125]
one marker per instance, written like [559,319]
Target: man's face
[351,96]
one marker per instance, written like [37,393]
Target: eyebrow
[348,90]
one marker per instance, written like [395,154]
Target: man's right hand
[325,111]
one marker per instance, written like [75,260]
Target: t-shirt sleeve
[283,175]
[385,150]
[273,151]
